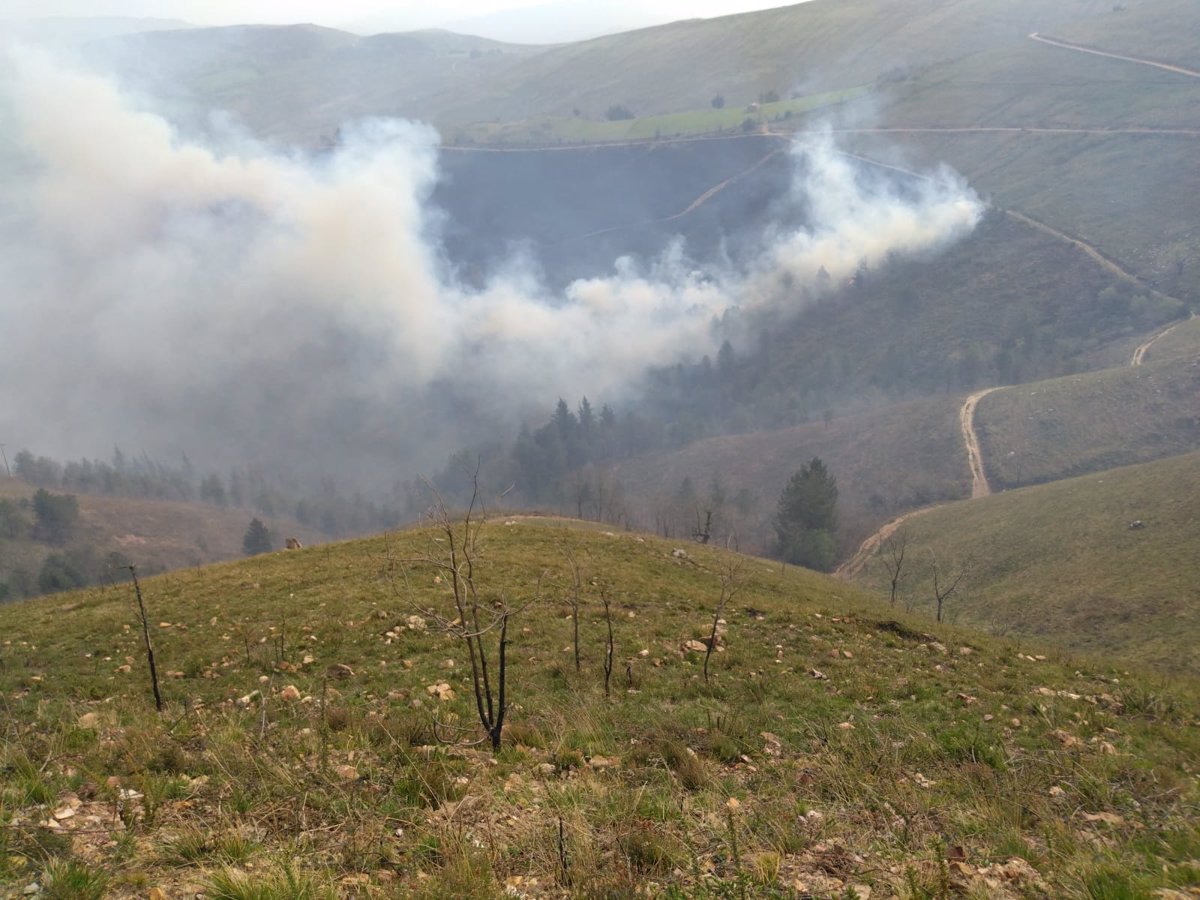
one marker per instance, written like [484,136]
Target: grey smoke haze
[240,305]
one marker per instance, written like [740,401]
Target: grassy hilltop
[838,749]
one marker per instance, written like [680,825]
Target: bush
[617,112]
[60,574]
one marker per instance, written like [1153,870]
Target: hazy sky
[334,12]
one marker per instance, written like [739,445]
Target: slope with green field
[1046,430]
[1064,562]
[837,748]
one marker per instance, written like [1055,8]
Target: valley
[563,365]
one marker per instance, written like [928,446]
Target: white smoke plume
[246,305]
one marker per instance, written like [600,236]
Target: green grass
[858,743]
[776,116]
[1047,430]
[1059,562]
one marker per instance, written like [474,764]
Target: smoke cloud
[241,304]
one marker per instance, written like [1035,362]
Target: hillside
[1093,421]
[837,750]
[452,81]
[1060,562]
[885,461]
[155,535]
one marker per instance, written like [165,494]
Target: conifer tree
[806,518]
[257,539]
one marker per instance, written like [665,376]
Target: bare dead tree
[608,650]
[137,589]
[730,582]
[945,584]
[703,533]
[573,598]
[892,553]
[477,619]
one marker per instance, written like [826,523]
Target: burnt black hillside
[574,212]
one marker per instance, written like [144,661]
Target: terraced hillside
[836,748]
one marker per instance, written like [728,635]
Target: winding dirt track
[871,545]
[1079,48]
[979,488]
[966,421]
[1139,355]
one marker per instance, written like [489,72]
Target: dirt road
[966,420]
[871,545]
[1091,251]
[1079,48]
[979,488]
[1139,355]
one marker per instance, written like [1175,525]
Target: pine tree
[807,518]
[257,539]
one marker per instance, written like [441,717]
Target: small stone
[733,804]
[695,646]
[89,720]
[346,773]
[339,670]
[291,693]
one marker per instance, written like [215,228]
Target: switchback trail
[979,488]
[1079,48]
[1139,355]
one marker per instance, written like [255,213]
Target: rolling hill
[1059,562]
[835,749]
[885,461]
[155,535]
[1054,429]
